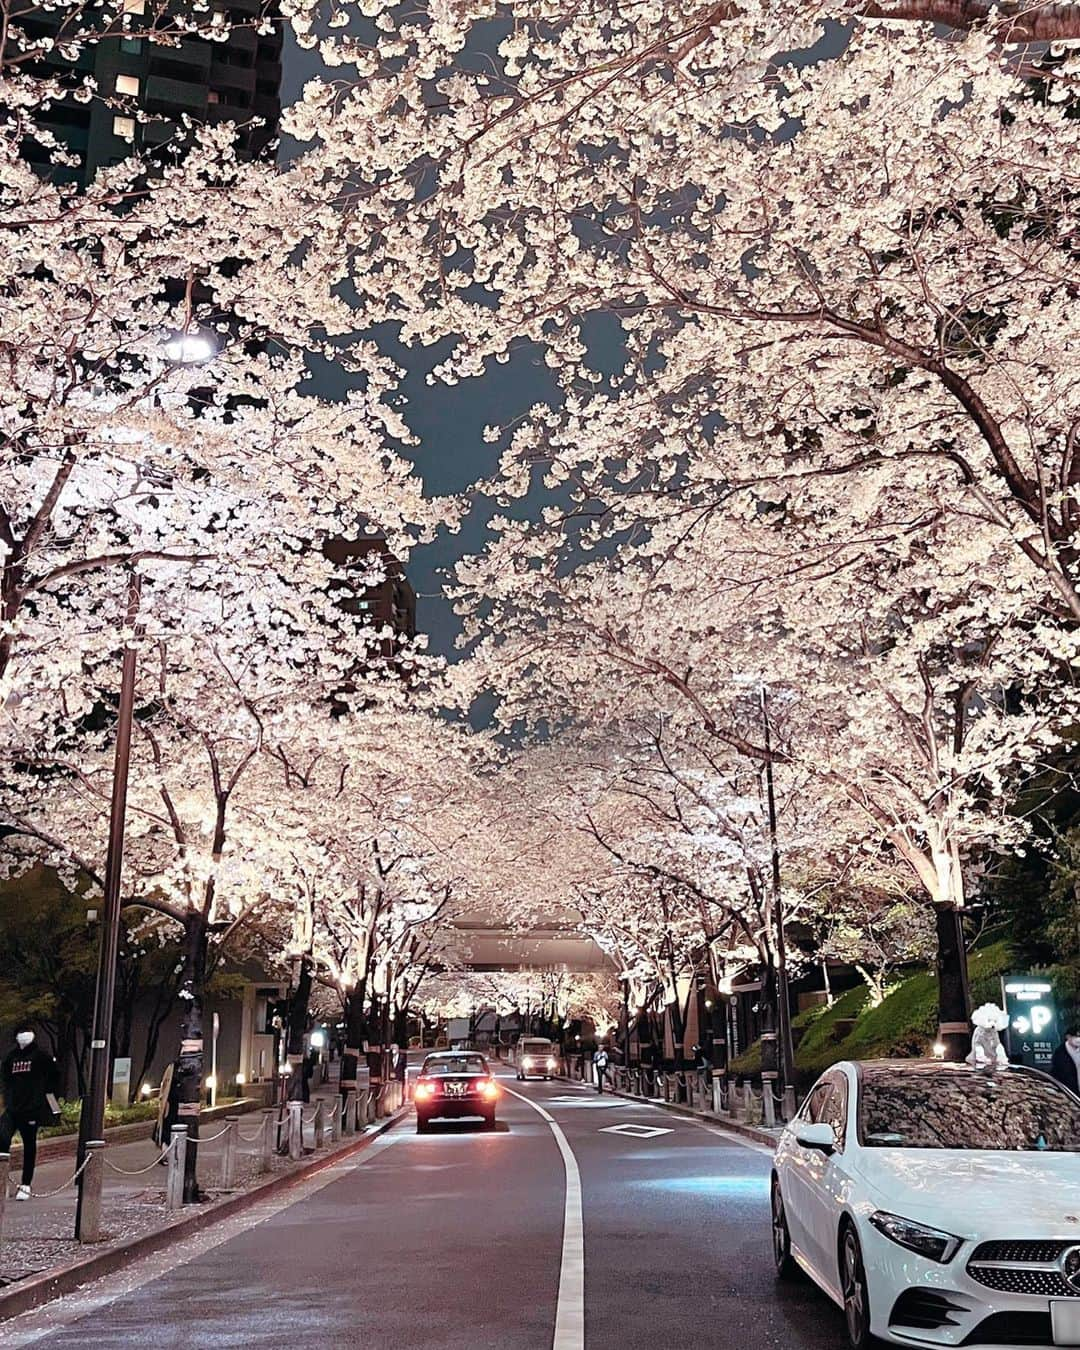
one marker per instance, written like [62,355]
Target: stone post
[228,1156]
[174,1178]
[90,1213]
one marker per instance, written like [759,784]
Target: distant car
[537,1058]
[938,1205]
[455,1084]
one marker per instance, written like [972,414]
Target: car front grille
[1022,1250]
[1023,1266]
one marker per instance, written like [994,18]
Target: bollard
[174,1177]
[90,1207]
[336,1108]
[369,1107]
[296,1130]
[348,1112]
[5,1169]
[768,1104]
[319,1125]
[228,1156]
[790,1107]
[268,1139]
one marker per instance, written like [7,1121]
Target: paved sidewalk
[39,1233]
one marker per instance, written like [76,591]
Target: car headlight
[916,1237]
[526,1063]
[551,1064]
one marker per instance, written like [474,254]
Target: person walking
[28,1076]
[1065,1065]
[600,1064]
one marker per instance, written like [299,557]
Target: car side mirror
[820,1136]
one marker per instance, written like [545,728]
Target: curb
[40,1289]
[758,1135]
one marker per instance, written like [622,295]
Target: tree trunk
[954,990]
[188,1073]
[299,1000]
[355,1038]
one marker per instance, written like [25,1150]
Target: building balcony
[166,95]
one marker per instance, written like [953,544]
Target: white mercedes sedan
[938,1205]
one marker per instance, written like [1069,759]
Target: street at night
[540,674]
[454,1241]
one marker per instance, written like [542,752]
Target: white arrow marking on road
[635,1131]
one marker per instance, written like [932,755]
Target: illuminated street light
[191,346]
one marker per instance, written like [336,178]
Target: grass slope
[904,1024]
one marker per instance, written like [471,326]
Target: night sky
[452,454]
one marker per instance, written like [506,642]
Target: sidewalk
[38,1234]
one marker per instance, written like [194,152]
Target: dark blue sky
[452,454]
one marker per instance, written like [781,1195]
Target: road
[455,1241]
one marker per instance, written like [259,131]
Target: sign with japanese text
[1033,1022]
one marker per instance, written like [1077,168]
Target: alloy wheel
[856,1296]
[781,1237]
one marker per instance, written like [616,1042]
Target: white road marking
[570,1308]
[732,1136]
[587,1104]
[634,1131]
[32,1326]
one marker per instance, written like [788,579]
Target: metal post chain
[138,1172]
[47,1195]
[209,1138]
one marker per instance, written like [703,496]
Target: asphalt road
[454,1241]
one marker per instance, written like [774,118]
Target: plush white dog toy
[987,1052]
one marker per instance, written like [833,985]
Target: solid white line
[570,1308]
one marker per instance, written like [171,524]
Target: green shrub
[903,1025]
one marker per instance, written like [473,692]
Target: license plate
[1065,1320]
[458,1090]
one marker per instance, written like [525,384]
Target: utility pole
[92,1117]
[787,1044]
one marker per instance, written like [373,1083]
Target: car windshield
[439,1068]
[538,1051]
[960,1109]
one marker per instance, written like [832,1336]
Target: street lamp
[191,346]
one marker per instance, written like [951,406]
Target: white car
[537,1058]
[938,1205]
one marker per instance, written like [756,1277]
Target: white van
[536,1057]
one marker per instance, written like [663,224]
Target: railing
[324,1123]
[702,1090]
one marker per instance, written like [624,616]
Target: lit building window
[134,6]
[124,127]
[127,84]
[212,96]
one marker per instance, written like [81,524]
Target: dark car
[452,1085]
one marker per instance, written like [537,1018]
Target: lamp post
[786,1044]
[92,1116]
[191,346]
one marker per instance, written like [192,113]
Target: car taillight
[424,1091]
[489,1088]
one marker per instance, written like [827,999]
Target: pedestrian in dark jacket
[1065,1066]
[28,1075]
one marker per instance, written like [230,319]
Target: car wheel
[489,1123]
[422,1126]
[784,1263]
[854,1289]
